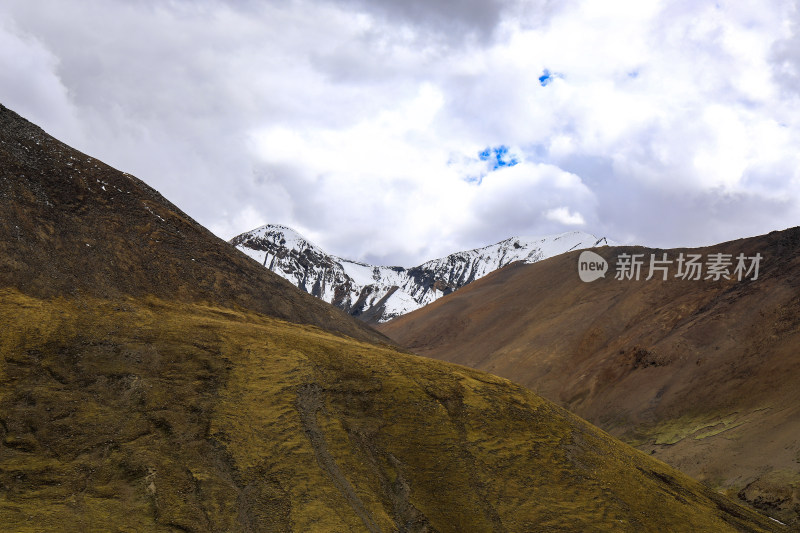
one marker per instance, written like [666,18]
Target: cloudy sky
[395,131]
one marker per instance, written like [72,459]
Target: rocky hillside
[71,224]
[379,293]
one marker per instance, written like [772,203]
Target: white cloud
[360,123]
[564,216]
[29,83]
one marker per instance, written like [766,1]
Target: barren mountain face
[699,373]
[73,225]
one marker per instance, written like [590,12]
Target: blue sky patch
[547,77]
[498,157]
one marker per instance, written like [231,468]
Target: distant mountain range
[379,293]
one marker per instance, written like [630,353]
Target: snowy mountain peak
[282,236]
[380,293]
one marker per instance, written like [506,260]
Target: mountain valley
[152,378]
[699,373]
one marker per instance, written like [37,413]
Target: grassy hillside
[145,415]
[701,374]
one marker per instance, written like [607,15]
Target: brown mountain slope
[163,395]
[701,374]
[72,224]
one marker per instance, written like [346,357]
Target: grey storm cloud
[360,122]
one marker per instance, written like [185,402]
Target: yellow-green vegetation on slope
[701,375]
[145,415]
[697,427]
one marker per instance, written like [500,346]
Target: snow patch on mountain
[380,293]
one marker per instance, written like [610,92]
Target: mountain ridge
[76,220]
[379,293]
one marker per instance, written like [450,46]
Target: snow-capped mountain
[380,293]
